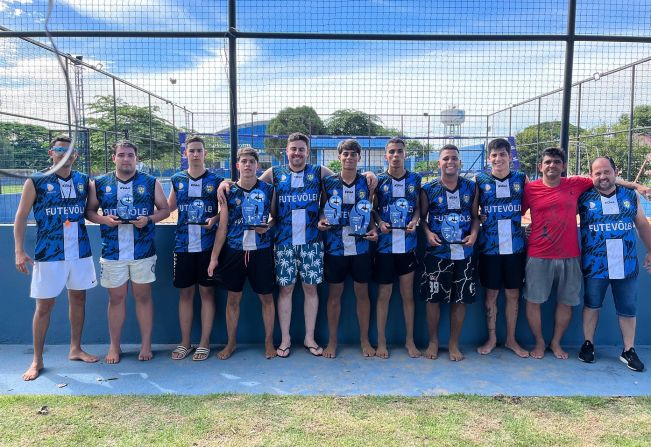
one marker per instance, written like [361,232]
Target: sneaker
[632,360]
[587,352]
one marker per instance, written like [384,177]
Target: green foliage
[530,145]
[23,146]
[335,166]
[302,119]
[354,122]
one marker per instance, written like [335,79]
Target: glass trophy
[359,218]
[451,229]
[253,210]
[399,214]
[125,209]
[196,213]
[332,211]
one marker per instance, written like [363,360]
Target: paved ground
[349,374]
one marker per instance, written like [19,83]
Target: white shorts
[115,273]
[49,277]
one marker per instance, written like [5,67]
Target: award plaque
[253,210]
[332,211]
[196,213]
[125,208]
[399,214]
[451,229]
[360,218]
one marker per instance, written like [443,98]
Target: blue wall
[15,322]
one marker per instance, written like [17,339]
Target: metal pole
[567,81]
[535,170]
[629,160]
[427,147]
[115,113]
[192,117]
[68,95]
[510,121]
[106,163]
[151,138]
[577,166]
[232,81]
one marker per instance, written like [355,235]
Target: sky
[399,81]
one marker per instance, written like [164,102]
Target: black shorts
[338,267]
[191,269]
[389,266]
[502,271]
[445,280]
[237,265]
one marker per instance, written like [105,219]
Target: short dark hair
[395,140]
[247,151]
[605,157]
[449,147]
[349,145]
[297,136]
[64,138]
[125,143]
[193,139]
[499,144]
[554,152]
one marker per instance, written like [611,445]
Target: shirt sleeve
[581,184]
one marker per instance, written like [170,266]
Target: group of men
[304,221]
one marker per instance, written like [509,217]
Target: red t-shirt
[554,233]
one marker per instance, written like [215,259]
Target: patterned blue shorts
[306,260]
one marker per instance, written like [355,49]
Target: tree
[302,119]
[24,146]
[353,122]
[529,145]
[157,144]
[335,166]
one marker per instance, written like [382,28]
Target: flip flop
[200,352]
[182,352]
[312,349]
[283,353]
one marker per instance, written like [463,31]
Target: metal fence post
[629,161]
[115,112]
[151,138]
[567,80]
[577,167]
[232,81]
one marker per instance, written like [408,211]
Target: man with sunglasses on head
[62,257]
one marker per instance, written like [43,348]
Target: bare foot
[226,352]
[538,352]
[330,351]
[487,347]
[455,355]
[269,350]
[412,350]
[515,347]
[145,354]
[33,371]
[367,349]
[78,354]
[558,351]
[113,356]
[432,351]
[382,351]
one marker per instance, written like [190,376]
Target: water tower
[452,119]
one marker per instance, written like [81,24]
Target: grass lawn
[236,420]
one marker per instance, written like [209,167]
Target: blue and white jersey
[237,236]
[59,209]
[501,203]
[297,204]
[338,240]
[125,241]
[608,236]
[449,216]
[199,193]
[389,191]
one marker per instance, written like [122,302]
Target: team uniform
[193,243]
[298,247]
[553,245]
[609,253]
[63,256]
[396,251]
[502,255]
[247,254]
[127,252]
[449,273]
[346,254]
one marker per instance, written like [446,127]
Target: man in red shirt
[553,246]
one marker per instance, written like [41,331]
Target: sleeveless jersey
[238,237]
[188,190]
[125,241]
[608,236]
[389,190]
[338,241]
[59,209]
[450,211]
[501,203]
[297,204]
